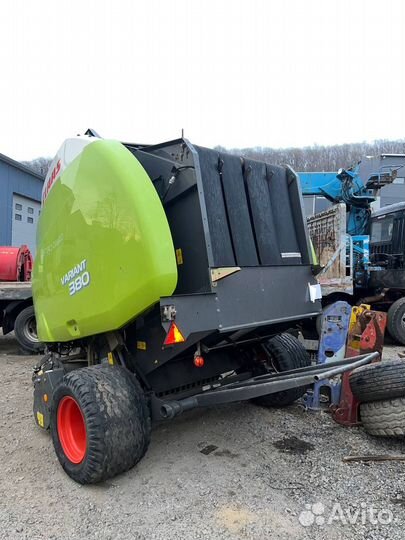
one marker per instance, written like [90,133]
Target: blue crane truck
[361,250]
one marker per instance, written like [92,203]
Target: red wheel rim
[72,429]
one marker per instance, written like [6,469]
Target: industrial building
[20,203]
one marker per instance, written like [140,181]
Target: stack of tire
[380,388]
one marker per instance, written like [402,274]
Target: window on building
[30,210]
[30,220]
[18,206]
[18,217]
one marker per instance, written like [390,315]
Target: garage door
[25,218]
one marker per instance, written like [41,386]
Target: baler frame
[254,387]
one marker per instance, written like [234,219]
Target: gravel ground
[236,471]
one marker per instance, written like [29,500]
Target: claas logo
[51,180]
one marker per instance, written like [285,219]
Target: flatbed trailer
[15,290]
[17,314]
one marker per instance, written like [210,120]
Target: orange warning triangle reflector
[173,335]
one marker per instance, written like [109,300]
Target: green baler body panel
[104,247]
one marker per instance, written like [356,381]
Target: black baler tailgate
[254,212]
[227,211]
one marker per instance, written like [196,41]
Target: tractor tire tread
[384,418]
[379,381]
[117,421]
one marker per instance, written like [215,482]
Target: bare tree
[39,165]
[320,158]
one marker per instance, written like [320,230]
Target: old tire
[384,418]
[286,352]
[25,330]
[379,381]
[396,320]
[100,423]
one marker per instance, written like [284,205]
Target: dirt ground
[236,471]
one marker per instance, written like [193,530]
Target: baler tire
[384,418]
[25,333]
[116,418]
[379,381]
[396,321]
[286,352]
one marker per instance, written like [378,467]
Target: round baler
[166,278]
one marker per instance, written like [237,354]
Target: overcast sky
[230,72]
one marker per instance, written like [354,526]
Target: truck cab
[387,247]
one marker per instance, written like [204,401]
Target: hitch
[258,386]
